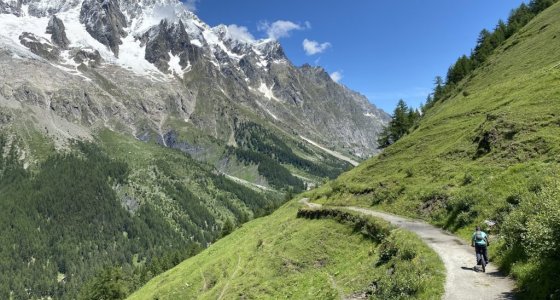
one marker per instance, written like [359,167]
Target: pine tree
[402,120]
[459,70]
[483,47]
[539,5]
[438,89]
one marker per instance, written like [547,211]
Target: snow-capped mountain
[133,65]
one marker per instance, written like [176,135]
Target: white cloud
[240,33]
[171,10]
[314,47]
[336,76]
[281,28]
[190,4]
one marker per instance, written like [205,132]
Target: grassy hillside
[281,256]
[488,152]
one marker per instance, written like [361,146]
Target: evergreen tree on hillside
[483,47]
[459,70]
[518,18]
[402,120]
[539,5]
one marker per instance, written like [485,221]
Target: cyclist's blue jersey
[481,240]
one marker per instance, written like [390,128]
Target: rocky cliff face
[105,22]
[10,7]
[135,65]
[36,8]
[168,47]
[39,45]
[58,32]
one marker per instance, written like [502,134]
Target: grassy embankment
[282,256]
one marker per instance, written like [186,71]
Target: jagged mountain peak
[148,41]
[37,8]
[318,73]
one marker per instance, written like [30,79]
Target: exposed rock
[169,38]
[87,56]
[42,8]
[11,7]
[172,141]
[5,118]
[29,94]
[58,32]
[247,65]
[273,51]
[105,22]
[39,46]
[130,203]
[36,8]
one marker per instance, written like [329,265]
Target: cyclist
[480,242]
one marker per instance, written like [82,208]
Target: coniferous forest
[64,232]
[258,145]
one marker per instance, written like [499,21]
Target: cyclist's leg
[478,252]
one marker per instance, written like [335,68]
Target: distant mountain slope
[132,65]
[487,155]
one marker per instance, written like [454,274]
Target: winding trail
[462,282]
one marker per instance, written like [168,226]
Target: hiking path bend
[462,282]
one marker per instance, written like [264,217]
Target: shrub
[409,172]
[411,272]
[468,179]
[531,247]
[535,225]
[373,229]
[461,207]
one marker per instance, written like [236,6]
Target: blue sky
[386,50]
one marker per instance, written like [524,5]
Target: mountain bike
[481,261]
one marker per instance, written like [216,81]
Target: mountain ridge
[162,42]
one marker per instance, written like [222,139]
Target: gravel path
[462,282]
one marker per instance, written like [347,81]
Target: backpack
[479,237]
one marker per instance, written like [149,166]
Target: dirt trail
[462,282]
